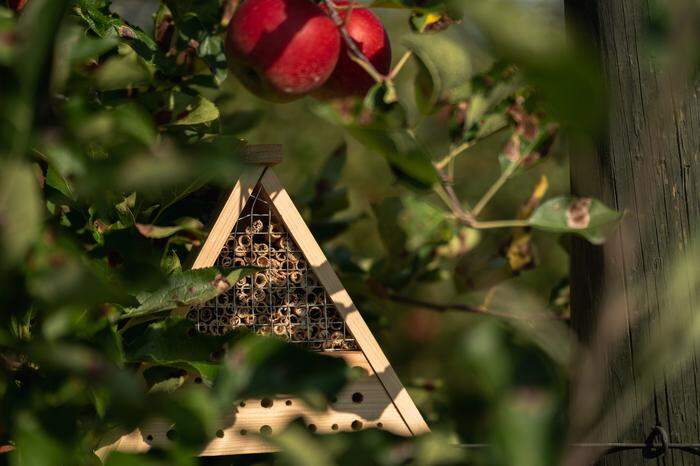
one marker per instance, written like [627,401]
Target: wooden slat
[324,271]
[375,410]
[228,217]
[263,154]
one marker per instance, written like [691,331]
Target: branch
[438,307]
[355,53]
[505,176]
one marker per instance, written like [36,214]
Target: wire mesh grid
[284,298]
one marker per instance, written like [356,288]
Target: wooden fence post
[647,164]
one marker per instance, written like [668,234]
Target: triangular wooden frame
[399,416]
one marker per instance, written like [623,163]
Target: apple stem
[355,53]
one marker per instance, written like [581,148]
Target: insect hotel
[297,296]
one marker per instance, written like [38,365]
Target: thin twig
[399,66]
[454,153]
[486,198]
[458,307]
[355,53]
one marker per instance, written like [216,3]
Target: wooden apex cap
[263,154]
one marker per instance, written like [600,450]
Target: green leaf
[186,289]
[20,211]
[203,111]
[586,217]
[123,71]
[34,446]
[408,159]
[174,342]
[445,68]
[157,232]
[266,366]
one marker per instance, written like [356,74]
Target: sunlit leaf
[186,289]
[445,69]
[20,211]
[202,111]
[586,217]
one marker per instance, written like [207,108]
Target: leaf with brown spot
[585,217]
[187,288]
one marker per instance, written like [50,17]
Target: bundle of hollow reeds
[282,298]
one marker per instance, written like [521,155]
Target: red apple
[16,5]
[367,30]
[282,49]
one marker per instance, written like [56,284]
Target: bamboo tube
[259,295]
[262,319]
[262,261]
[315,313]
[205,314]
[314,298]
[261,248]
[243,296]
[215,327]
[240,250]
[263,330]
[279,329]
[336,325]
[300,334]
[223,300]
[276,231]
[256,227]
[239,262]
[300,265]
[244,241]
[285,243]
[234,321]
[260,280]
[225,261]
[295,277]
[281,312]
[248,320]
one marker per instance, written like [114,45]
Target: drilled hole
[288,402]
[380,425]
[198,380]
[171,434]
[313,428]
[334,427]
[357,397]
[356,425]
[242,404]
[149,437]
[244,432]
[220,433]
[266,403]
[266,430]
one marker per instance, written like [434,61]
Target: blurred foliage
[119,135]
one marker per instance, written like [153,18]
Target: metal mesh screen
[283,299]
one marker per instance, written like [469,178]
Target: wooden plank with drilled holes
[324,271]
[364,403]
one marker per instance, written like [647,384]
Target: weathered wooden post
[648,164]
